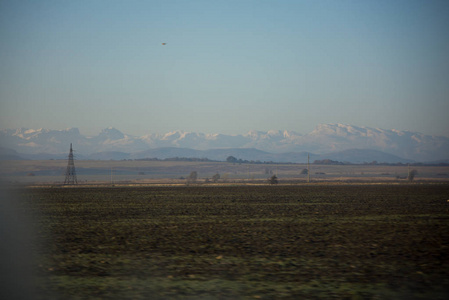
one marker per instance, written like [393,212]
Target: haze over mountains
[332,141]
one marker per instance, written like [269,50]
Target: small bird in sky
[163,44]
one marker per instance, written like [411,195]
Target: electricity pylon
[308,168]
[70,173]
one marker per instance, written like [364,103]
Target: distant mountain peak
[325,138]
[111,133]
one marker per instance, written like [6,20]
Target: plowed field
[247,242]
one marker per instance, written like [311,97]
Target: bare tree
[273,180]
[215,177]
[411,175]
[192,177]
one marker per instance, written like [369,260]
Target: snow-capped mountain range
[325,138]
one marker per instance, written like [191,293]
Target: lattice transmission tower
[70,173]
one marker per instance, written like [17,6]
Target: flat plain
[317,241]
[148,172]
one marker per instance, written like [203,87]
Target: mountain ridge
[324,139]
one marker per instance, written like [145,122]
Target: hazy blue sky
[228,66]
